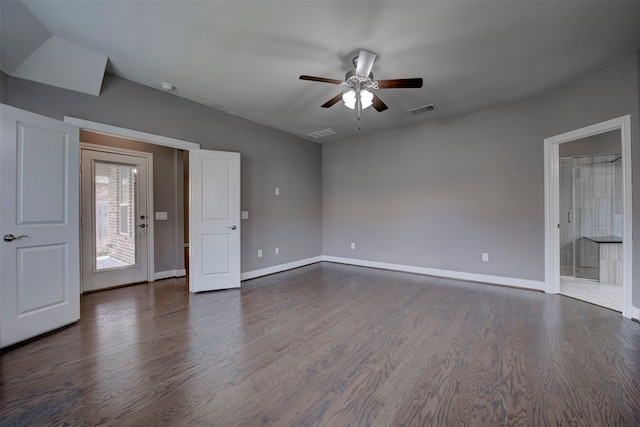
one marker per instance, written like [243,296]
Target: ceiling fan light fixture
[366,98]
[349,99]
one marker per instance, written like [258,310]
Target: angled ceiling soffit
[29,51]
[60,63]
[20,34]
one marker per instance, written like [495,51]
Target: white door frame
[552,205]
[149,207]
[135,135]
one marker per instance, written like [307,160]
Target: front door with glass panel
[114,219]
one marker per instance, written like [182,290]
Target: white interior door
[39,222]
[214,220]
[115,223]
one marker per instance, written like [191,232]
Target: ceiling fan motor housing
[352,73]
[351,79]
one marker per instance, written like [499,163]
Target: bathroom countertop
[604,239]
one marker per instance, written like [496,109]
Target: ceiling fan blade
[321,79]
[378,104]
[400,83]
[365,63]
[332,101]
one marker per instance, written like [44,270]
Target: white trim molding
[449,274]
[130,134]
[552,204]
[150,138]
[279,268]
[170,273]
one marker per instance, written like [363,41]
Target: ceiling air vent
[422,110]
[322,133]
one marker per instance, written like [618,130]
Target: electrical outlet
[259,253]
[485,257]
[353,245]
[277,251]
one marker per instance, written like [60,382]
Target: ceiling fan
[360,82]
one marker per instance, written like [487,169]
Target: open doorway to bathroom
[592,219]
[553,214]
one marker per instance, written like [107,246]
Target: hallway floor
[605,295]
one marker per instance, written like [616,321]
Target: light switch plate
[161,216]
[277,191]
[244,214]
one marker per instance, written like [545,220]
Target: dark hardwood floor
[329,345]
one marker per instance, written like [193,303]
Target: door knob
[142,225]
[233,227]
[11,237]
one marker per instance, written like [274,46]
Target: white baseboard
[278,268]
[159,275]
[449,274]
[472,277]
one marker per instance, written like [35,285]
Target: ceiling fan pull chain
[359,105]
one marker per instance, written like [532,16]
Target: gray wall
[603,143]
[438,195]
[270,158]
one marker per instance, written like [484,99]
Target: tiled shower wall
[590,205]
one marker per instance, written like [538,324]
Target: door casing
[552,205]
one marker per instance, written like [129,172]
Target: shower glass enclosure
[590,211]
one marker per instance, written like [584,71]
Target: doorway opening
[591,219]
[225,175]
[588,214]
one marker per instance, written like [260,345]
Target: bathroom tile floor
[609,296]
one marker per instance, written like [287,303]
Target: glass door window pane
[114,215]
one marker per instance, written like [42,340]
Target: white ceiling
[244,57]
